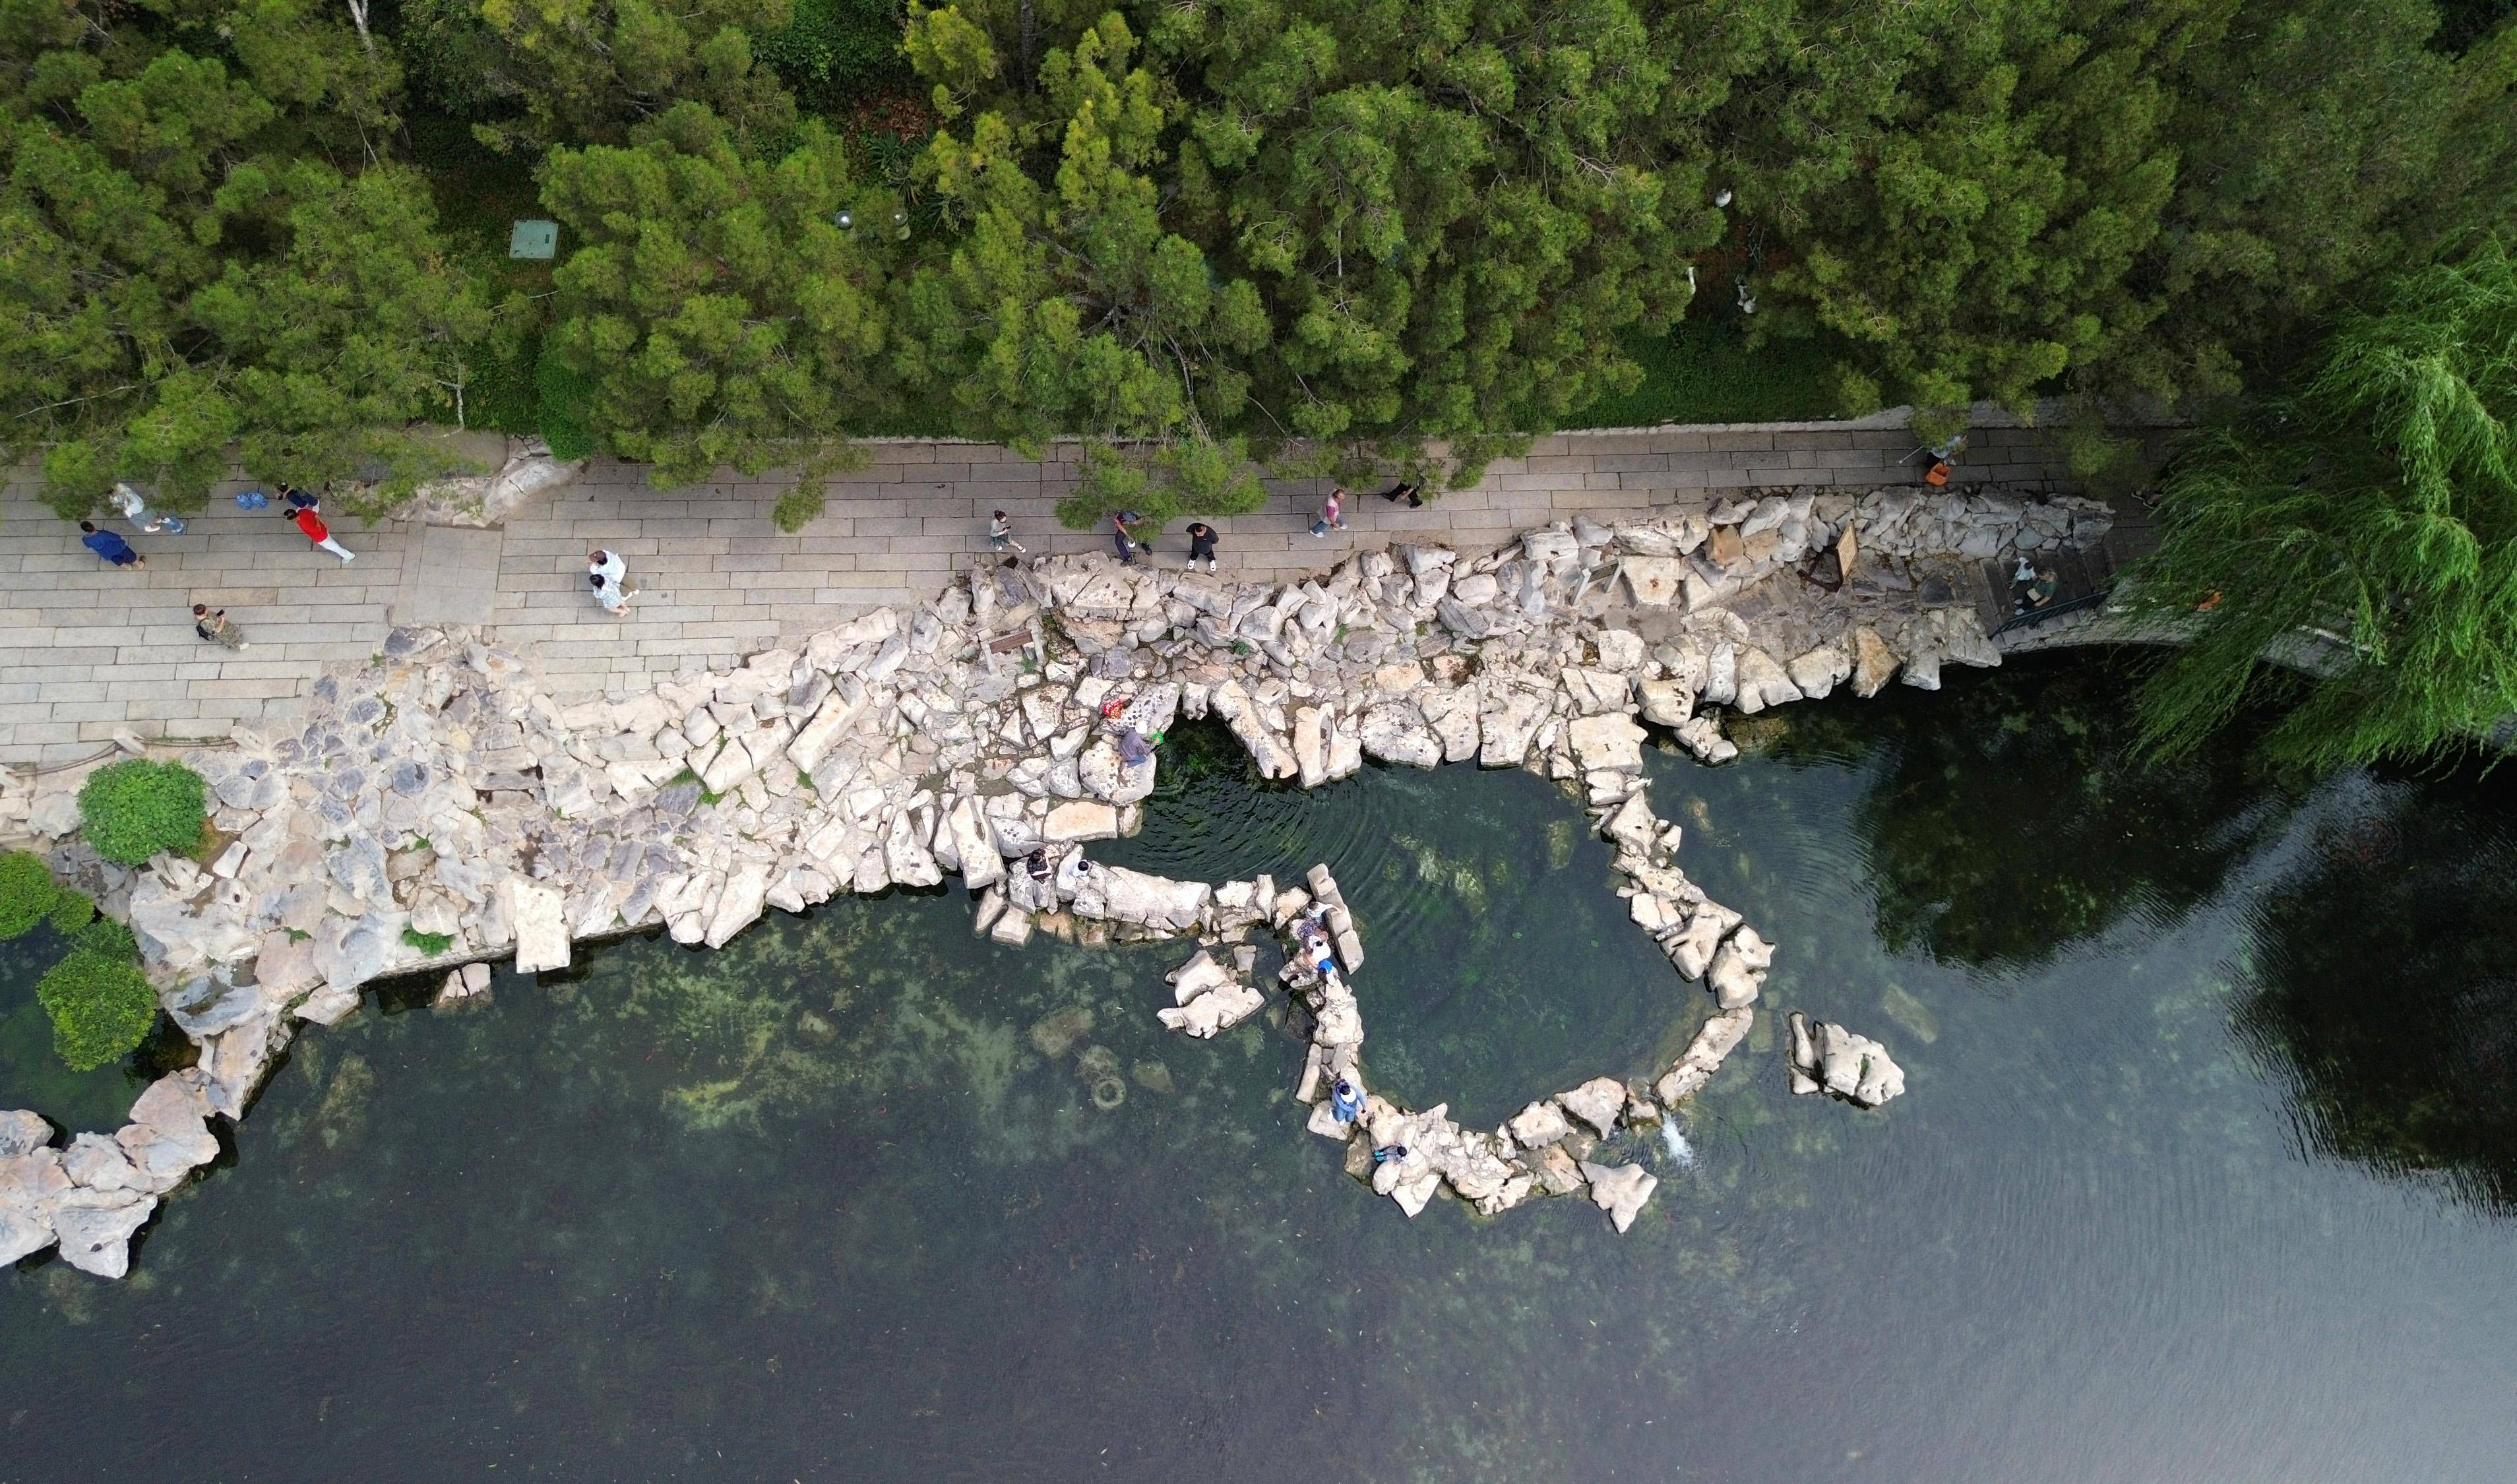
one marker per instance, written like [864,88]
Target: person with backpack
[215,628]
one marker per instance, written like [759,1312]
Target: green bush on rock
[136,808]
[72,909]
[27,893]
[102,1007]
[114,939]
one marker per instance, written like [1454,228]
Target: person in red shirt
[306,521]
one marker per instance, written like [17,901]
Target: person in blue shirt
[113,548]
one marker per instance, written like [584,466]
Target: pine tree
[717,309]
[189,267]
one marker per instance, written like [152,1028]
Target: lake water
[2205,1170]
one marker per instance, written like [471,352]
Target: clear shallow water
[2204,1172]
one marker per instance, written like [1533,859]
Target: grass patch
[1704,371]
[429,944]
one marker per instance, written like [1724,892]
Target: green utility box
[534,239]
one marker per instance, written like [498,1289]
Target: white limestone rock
[1080,820]
[1611,741]
[1692,949]
[1620,1190]
[1762,682]
[1452,712]
[536,913]
[1508,721]
[1814,674]
[1738,969]
[1215,1011]
[1653,582]
[95,1229]
[1667,702]
[1855,1067]
[739,905]
[1597,1102]
[1395,732]
[1538,1125]
[1804,1057]
[1714,1041]
[1242,715]
[1874,664]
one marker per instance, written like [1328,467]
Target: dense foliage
[136,808]
[199,257]
[2350,550]
[27,895]
[100,1004]
[1208,236]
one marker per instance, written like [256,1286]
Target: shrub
[835,52]
[101,1009]
[563,395]
[73,909]
[136,807]
[27,892]
[110,938]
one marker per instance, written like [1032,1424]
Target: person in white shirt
[135,509]
[607,575]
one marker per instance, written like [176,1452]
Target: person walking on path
[1332,514]
[1001,534]
[135,509]
[111,546]
[215,628]
[609,575]
[1201,544]
[306,521]
[1122,538]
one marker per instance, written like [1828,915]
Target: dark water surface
[2206,1169]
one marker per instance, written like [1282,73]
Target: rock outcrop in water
[1832,1059]
[439,792]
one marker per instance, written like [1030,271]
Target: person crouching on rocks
[1345,1104]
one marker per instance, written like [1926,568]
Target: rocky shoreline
[436,806]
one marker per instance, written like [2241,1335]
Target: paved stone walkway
[86,650]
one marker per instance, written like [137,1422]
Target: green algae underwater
[2202,1171]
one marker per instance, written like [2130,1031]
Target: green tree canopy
[188,268]
[534,74]
[717,311]
[2320,140]
[1212,229]
[1961,191]
[2364,528]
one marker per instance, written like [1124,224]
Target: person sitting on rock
[2041,590]
[1388,1154]
[1133,750]
[1345,1104]
[1312,935]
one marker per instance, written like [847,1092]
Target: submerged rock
[1056,1032]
